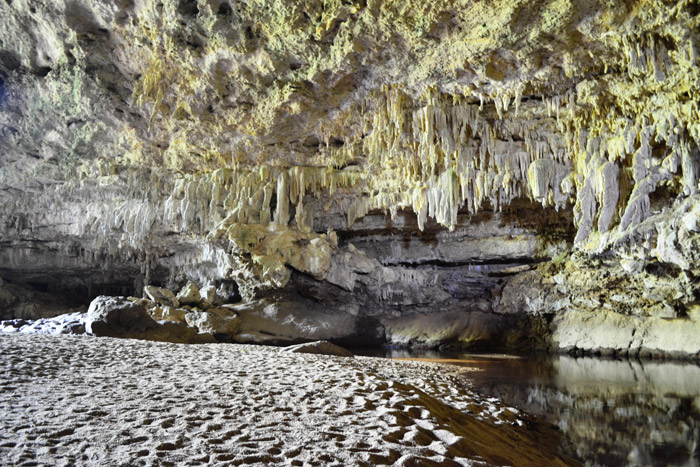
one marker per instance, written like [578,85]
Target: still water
[613,412]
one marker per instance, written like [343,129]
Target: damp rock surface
[319,348]
[85,401]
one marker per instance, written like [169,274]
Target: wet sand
[78,400]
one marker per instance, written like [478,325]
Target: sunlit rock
[210,296]
[214,321]
[189,295]
[161,296]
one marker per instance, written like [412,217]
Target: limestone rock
[120,317]
[144,302]
[168,313]
[285,322]
[319,348]
[214,321]
[525,293]
[611,333]
[71,323]
[161,296]
[177,332]
[176,315]
[210,296]
[7,299]
[117,317]
[189,295]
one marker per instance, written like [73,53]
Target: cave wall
[513,172]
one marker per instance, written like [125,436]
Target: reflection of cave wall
[589,398]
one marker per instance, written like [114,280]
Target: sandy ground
[78,400]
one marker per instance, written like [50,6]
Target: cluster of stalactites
[124,212]
[264,197]
[441,154]
[618,174]
[643,136]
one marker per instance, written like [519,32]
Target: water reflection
[613,412]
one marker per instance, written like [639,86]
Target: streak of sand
[97,401]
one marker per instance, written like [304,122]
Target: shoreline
[85,400]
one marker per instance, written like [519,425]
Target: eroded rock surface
[121,317]
[214,321]
[117,317]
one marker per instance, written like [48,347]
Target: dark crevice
[224,10]
[663,270]
[42,71]
[74,121]
[273,205]
[249,34]
[234,295]
[188,8]
[693,9]
[458,264]
[533,98]
[311,142]
[9,61]
[348,164]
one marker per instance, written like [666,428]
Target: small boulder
[144,302]
[319,348]
[167,313]
[175,315]
[117,317]
[161,296]
[189,295]
[13,325]
[209,296]
[214,321]
[156,312]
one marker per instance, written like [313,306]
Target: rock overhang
[191,141]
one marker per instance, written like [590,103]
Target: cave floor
[76,400]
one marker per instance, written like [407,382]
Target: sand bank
[80,400]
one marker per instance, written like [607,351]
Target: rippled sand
[79,400]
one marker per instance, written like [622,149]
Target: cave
[365,233]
